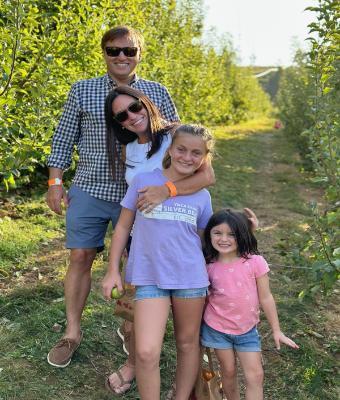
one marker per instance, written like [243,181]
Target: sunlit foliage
[309,103]
[48,45]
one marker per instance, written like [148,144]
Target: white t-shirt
[136,161]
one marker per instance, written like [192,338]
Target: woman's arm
[118,242]
[151,196]
[268,305]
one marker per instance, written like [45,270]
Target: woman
[133,120]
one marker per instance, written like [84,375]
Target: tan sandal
[123,382]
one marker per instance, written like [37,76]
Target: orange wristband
[172,188]
[54,182]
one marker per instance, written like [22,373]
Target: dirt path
[279,193]
[280,197]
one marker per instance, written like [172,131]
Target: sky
[263,32]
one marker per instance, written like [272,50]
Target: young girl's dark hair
[241,228]
[116,132]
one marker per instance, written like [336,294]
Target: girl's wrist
[171,189]
[113,270]
[276,330]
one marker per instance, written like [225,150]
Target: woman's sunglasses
[115,51]
[134,107]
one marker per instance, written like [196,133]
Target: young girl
[239,283]
[166,263]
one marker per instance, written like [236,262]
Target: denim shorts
[153,292]
[249,341]
[87,219]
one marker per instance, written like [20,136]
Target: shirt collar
[112,84]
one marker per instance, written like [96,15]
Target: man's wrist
[55,182]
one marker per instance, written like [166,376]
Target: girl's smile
[224,242]
[187,154]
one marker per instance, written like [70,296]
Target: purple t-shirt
[166,249]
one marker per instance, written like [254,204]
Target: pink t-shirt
[233,303]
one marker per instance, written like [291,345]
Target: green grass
[28,227]
[256,167]
[26,333]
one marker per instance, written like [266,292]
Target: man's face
[121,68]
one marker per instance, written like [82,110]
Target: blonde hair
[195,130]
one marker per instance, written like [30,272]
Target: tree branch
[14,51]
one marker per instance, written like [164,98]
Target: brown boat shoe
[61,353]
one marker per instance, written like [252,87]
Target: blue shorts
[249,341]
[87,219]
[153,292]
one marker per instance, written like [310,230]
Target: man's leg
[86,223]
[77,286]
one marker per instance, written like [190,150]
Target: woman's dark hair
[241,228]
[116,132]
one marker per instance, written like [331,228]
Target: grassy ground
[255,167]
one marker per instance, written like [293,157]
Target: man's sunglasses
[115,51]
[134,107]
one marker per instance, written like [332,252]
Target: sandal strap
[121,378]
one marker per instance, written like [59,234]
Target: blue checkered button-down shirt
[82,124]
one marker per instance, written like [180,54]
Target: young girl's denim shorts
[152,292]
[249,341]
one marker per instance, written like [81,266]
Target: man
[94,199]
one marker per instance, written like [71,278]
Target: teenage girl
[166,263]
[133,120]
[239,283]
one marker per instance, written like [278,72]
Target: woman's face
[187,153]
[136,121]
